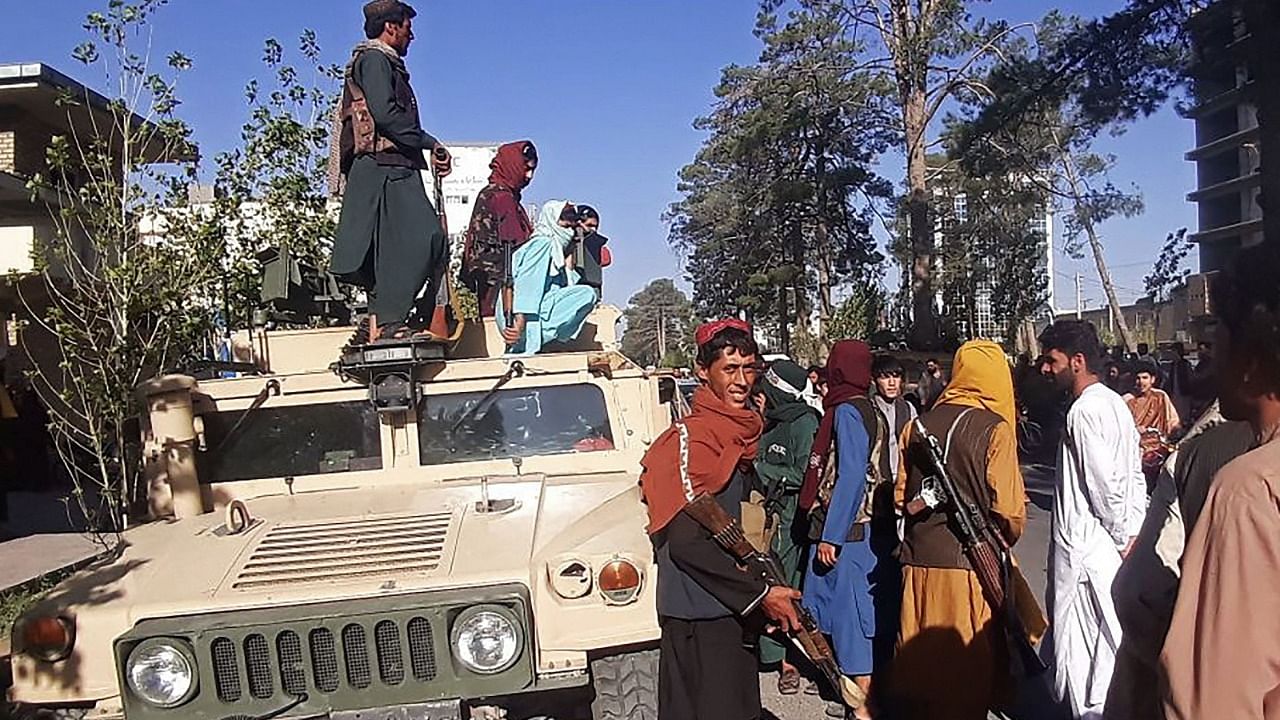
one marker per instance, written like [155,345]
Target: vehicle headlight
[487,639]
[162,673]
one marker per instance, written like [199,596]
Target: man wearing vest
[951,659]
[850,580]
[898,412]
[389,240]
[707,666]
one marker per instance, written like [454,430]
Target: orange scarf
[719,437]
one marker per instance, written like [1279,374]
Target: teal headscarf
[548,226]
[786,399]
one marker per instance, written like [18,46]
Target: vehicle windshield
[289,441]
[521,422]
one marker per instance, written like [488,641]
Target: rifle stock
[988,554]
[728,534]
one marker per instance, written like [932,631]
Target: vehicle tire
[626,686]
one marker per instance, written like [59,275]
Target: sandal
[361,334]
[388,332]
[788,681]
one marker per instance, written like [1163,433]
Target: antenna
[484,505]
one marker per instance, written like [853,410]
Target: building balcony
[1221,101]
[1229,187]
[1227,232]
[1224,144]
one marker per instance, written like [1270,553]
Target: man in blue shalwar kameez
[842,577]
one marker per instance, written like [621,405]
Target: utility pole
[662,334]
[1079,297]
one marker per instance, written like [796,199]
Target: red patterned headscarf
[511,164]
[705,333]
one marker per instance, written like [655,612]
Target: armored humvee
[399,535]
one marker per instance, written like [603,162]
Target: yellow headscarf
[980,378]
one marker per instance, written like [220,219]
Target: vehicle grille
[343,656]
[346,549]
[330,659]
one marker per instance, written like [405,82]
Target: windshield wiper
[515,370]
[271,388]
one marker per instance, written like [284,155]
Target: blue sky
[608,90]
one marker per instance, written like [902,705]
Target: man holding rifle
[706,599]
[953,644]
[389,239]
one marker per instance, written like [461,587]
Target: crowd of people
[539,280]
[1158,595]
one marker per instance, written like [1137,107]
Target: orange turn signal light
[620,581]
[47,638]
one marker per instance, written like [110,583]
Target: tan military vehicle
[399,536]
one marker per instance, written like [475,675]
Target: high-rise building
[969,304]
[1227,153]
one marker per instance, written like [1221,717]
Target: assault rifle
[985,547]
[439,325]
[728,534]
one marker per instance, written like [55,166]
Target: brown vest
[876,502]
[357,133]
[929,540]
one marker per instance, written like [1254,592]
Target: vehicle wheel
[626,686]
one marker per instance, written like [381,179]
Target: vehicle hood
[313,547]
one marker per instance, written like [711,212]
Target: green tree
[1168,271]
[129,275]
[272,189]
[1050,146]
[992,230]
[660,325]
[777,204]
[857,317]
[930,53]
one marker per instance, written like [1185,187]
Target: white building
[470,175]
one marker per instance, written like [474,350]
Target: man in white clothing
[1098,508]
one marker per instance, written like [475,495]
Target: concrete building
[1227,152]
[32,113]
[1152,322]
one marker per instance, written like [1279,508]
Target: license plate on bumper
[439,710]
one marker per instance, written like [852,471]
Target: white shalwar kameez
[1098,506]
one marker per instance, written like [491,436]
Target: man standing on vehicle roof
[389,240]
[707,670]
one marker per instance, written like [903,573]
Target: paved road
[1034,701]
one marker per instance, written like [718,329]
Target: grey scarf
[397,62]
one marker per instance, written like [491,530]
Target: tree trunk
[824,281]
[924,327]
[1262,18]
[1095,245]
